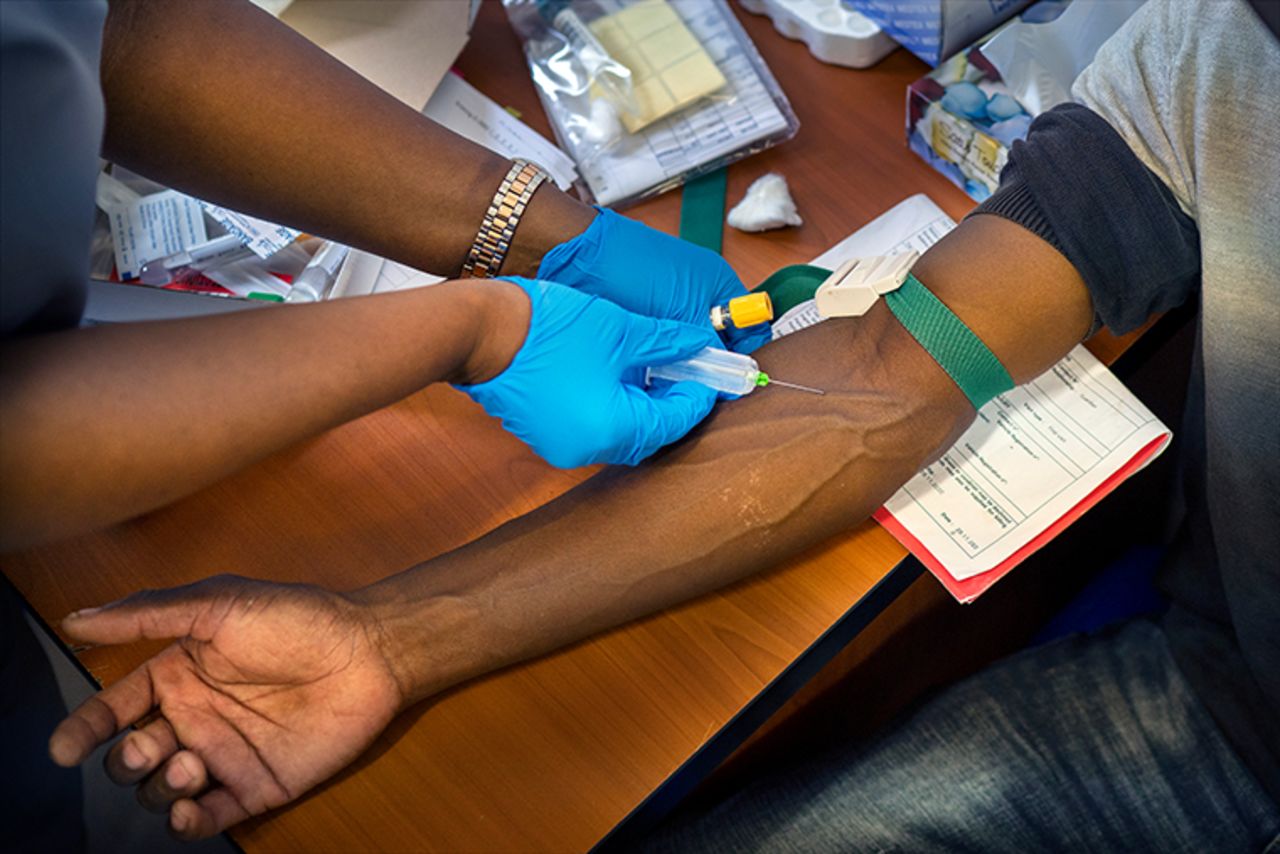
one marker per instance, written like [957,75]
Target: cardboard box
[949,123]
[935,29]
[404,46]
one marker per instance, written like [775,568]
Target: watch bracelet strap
[953,345]
[498,228]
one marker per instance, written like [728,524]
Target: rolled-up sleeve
[1076,183]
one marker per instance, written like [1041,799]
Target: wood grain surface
[549,755]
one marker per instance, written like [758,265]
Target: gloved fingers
[650,341]
[728,284]
[747,341]
[570,261]
[670,412]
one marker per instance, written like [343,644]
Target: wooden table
[553,754]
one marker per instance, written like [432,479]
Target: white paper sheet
[366,273]
[152,227]
[398,277]
[468,112]
[1031,456]
[403,47]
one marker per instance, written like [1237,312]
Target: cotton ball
[965,99]
[767,204]
[603,127]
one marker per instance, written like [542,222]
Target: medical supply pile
[156,237]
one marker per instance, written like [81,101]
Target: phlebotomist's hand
[651,273]
[574,392]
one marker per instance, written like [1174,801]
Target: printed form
[1033,461]
[1031,457]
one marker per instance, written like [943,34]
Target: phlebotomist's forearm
[219,99]
[165,408]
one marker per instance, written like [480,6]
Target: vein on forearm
[762,479]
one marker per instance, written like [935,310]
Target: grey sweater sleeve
[1075,183]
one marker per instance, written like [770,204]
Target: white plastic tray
[834,33]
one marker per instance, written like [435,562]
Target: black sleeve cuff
[1014,202]
[1076,184]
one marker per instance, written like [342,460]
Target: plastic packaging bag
[645,94]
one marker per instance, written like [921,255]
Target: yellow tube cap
[751,309]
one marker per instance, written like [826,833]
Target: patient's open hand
[267,690]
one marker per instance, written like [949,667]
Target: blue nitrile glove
[574,391]
[648,272]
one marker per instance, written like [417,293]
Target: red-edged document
[1032,463]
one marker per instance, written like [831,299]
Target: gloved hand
[650,273]
[574,390]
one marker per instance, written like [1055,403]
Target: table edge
[663,799]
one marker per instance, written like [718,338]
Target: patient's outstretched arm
[764,478]
[269,688]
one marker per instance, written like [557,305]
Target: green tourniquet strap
[790,286]
[702,210]
[969,362]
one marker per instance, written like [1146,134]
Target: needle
[796,386]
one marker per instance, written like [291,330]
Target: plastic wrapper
[646,94]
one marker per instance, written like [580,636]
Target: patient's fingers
[170,613]
[183,776]
[100,717]
[213,813]
[140,752]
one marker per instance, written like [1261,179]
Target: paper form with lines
[1034,460]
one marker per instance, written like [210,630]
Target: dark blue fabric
[1124,590]
[1092,743]
[50,136]
[41,805]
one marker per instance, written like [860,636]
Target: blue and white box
[935,29]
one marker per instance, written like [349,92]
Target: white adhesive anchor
[857,283]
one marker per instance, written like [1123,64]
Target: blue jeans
[1092,743]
